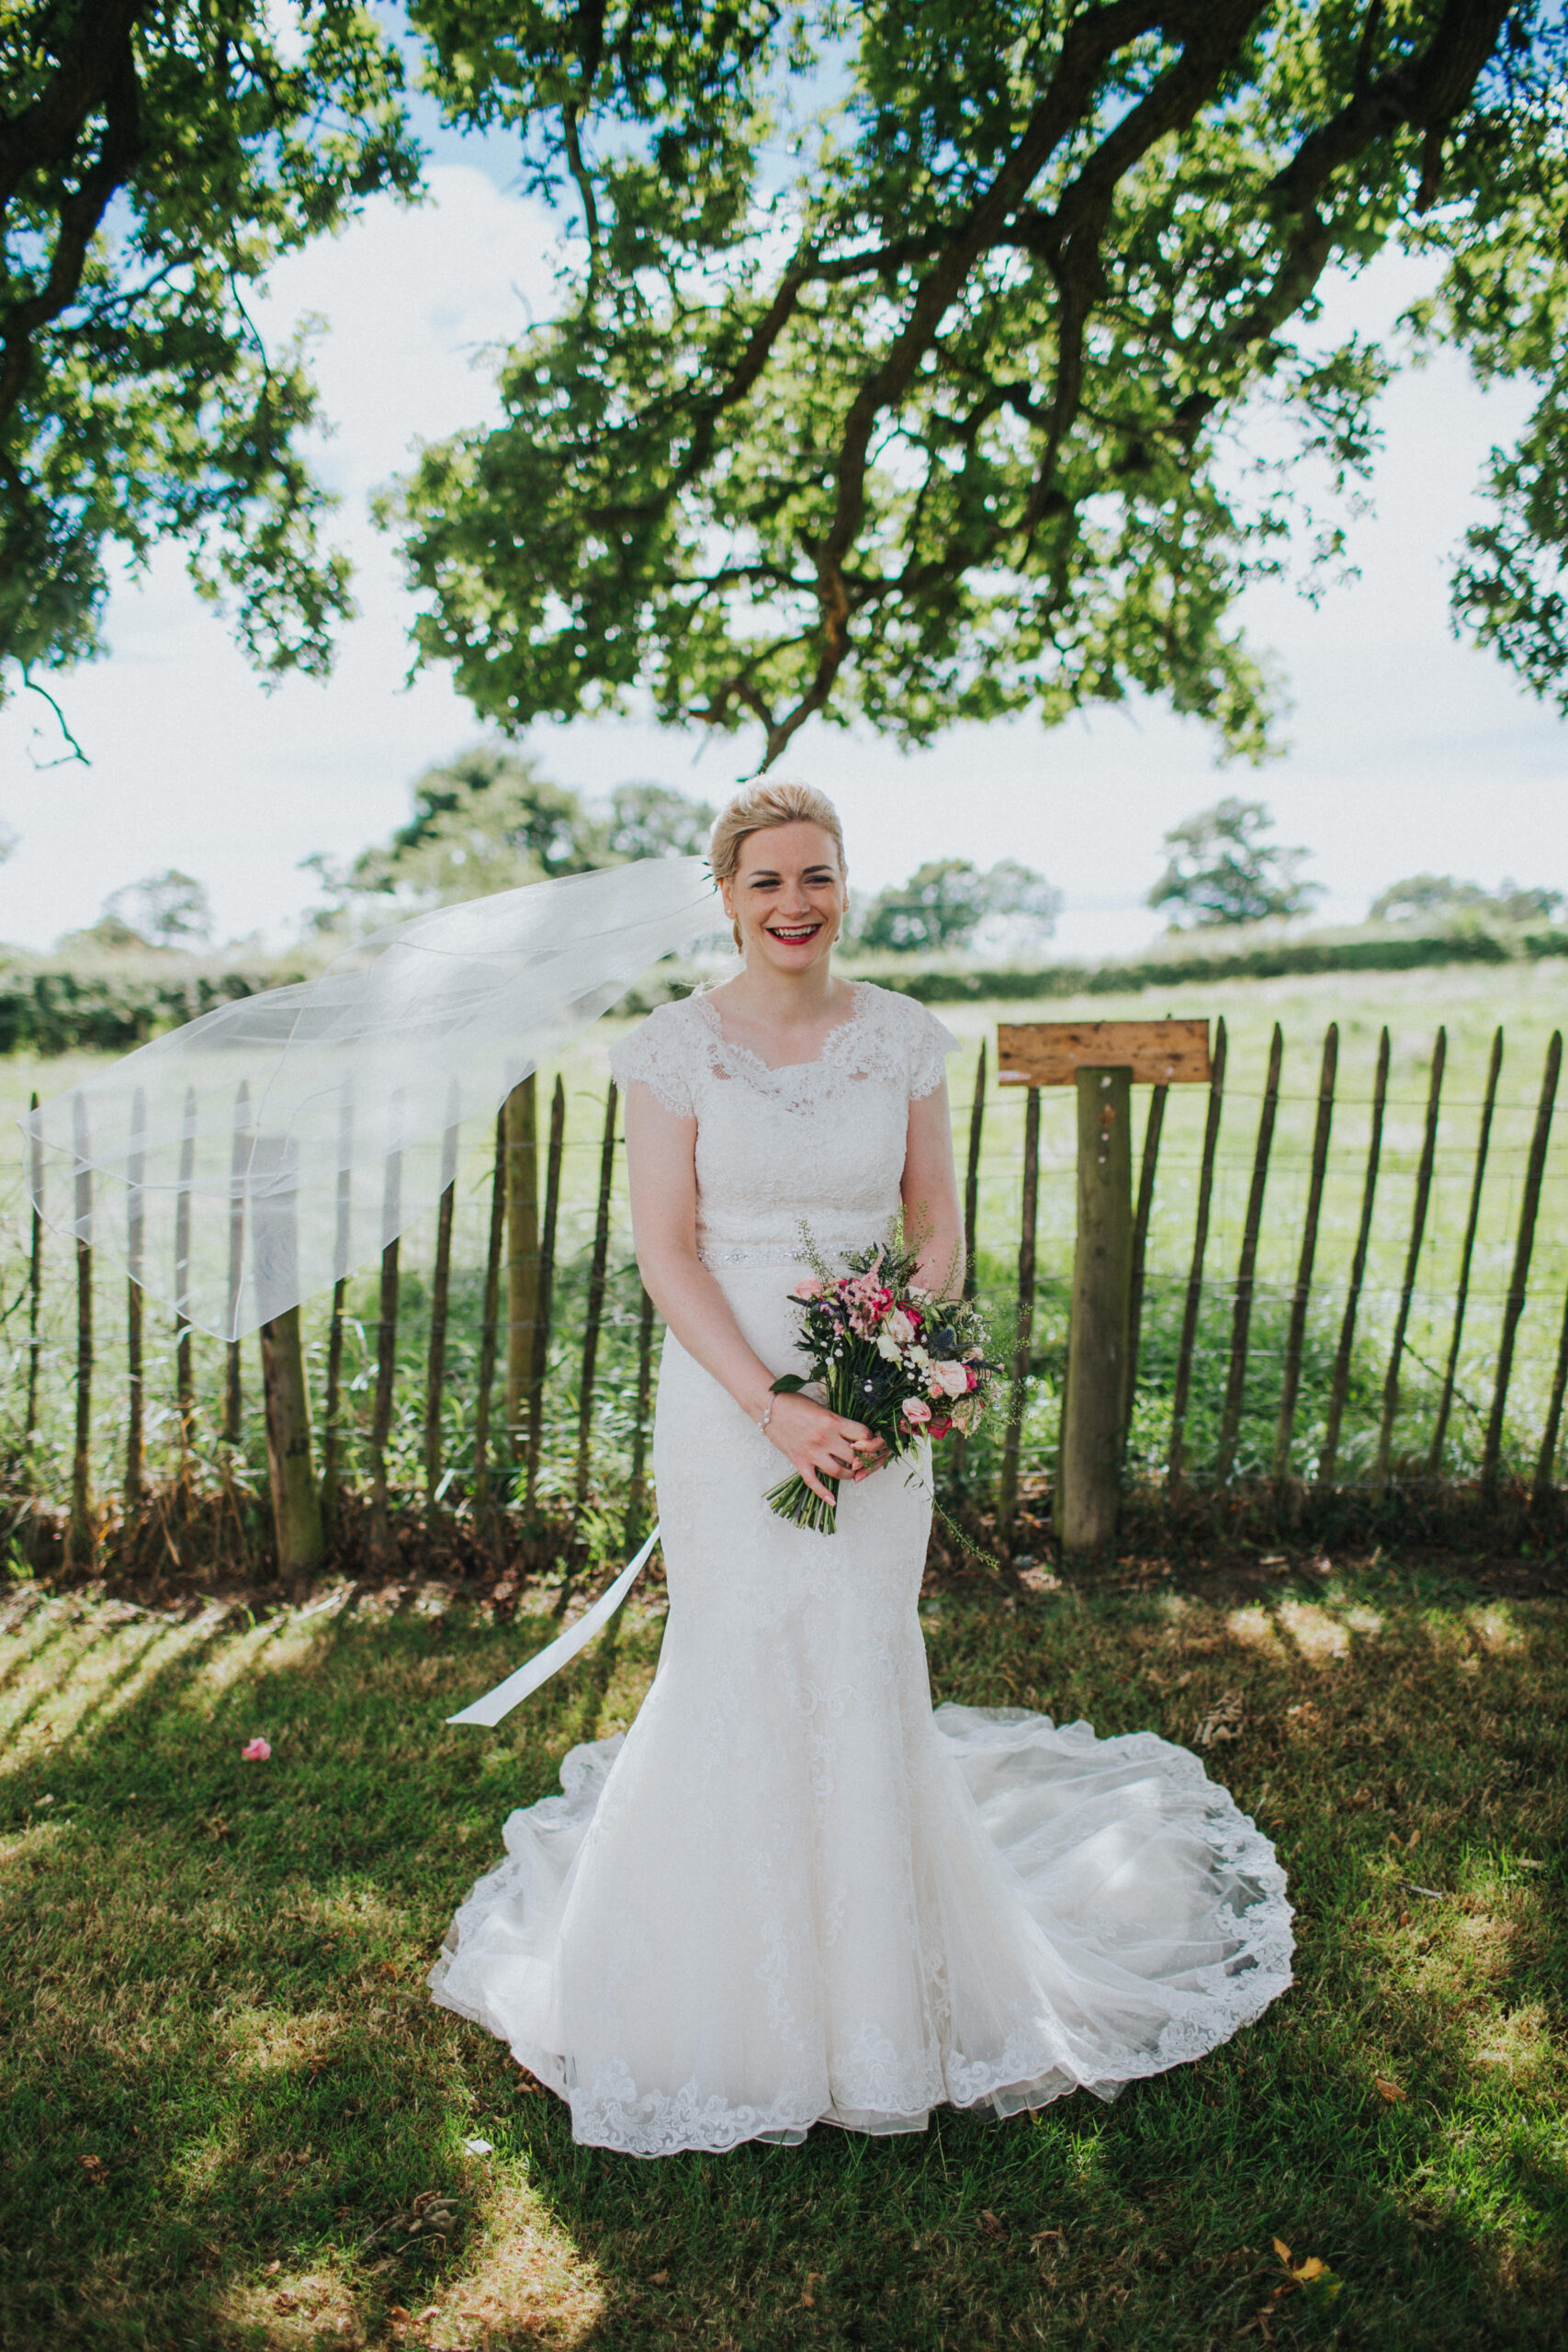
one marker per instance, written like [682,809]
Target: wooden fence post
[234,1391]
[486,1382]
[1007,1492]
[1461,1293]
[1546,1460]
[185,1384]
[522,1255]
[595,1298]
[1295,1336]
[135,1246]
[1412,1257]
[1241,1316]
[440,1288]
[1183,1387]
[79,1530]
[972,1175]
[332,1414]
[1089,1489]
[386,1357]
[636,1491]
[1144,1213]
[35,1282]
[1514,1304]
[1339,1384]
[546,1294]
[286,1397]
[331,1422]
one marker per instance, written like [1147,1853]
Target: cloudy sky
[1407,751]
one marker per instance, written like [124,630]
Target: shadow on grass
[237,2120]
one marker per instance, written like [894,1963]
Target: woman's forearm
[703,1320]
[940,1267]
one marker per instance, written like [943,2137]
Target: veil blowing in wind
[239,1164]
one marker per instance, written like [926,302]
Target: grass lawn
[235,2119]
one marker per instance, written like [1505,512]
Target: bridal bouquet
[887,1354]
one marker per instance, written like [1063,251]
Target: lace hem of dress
[1036,2063]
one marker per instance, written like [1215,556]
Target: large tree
[155,157]
[489,820]
[922,357]
[1223,869]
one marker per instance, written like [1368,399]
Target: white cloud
[1408,750]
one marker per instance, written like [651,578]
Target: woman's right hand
[822,1445]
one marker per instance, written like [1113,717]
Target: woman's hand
[822,1445]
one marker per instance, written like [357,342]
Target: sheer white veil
[245,1161]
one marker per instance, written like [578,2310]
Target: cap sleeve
[930,1042]
[657,1053]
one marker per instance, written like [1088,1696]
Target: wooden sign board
[1051,1053]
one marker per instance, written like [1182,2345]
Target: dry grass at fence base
[239,2122]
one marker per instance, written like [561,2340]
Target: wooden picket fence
[522,1381]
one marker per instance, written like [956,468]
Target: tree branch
[80,214]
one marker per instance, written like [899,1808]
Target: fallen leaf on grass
[1314,2275]
[990,2225]
[659,2277]
[479,2147]
[93,2168]
[1041,2237]
[1391,2091]
[527,2083]
[1223,1721]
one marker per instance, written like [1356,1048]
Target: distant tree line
[489,820]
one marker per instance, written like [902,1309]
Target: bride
[792,1894]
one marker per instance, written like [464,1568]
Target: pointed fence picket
[1324,1365]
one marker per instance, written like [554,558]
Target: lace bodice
[821,1143]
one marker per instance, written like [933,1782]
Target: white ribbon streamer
[543,1663]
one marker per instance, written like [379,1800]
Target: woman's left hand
[872,1457]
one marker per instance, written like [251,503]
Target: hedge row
[1280,960]
[108,1012]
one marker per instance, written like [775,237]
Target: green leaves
[905,362]
[156,165]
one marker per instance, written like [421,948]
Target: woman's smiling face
[788,895]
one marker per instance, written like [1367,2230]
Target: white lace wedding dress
[791,1894]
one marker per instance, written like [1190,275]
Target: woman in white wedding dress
[792,1894]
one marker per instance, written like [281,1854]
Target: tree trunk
[296,1500]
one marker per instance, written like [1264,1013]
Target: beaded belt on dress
[771,1253]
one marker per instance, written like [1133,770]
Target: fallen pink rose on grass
[257,1752]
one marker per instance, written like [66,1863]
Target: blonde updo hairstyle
[756,807]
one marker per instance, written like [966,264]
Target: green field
[230,2103]
[1527,1001]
